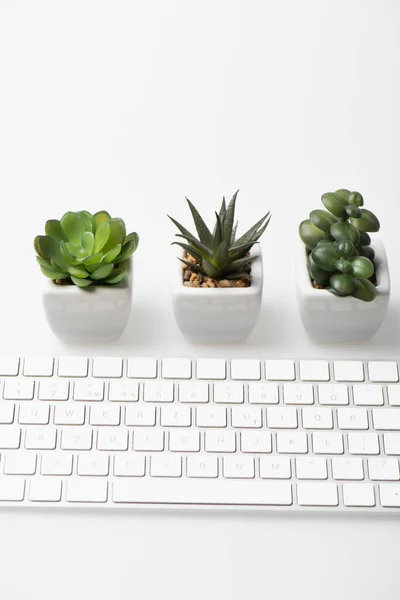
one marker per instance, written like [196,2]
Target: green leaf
[201,228]
[73,226]
[342,284]
[193,266]
[310,234]
[53,229]
[221,256]
[335,203]
[88,241]
[122,225]
[46,246]
[218,236]
[365,290]
[77,251]
[87,219]
[78,271]
[112,254]
[53,274]
[322,219]
[356,199]
[238,275]
[249,235]
[316,273]
[43,262]
[344,194]
[362,267]
[368,252]
[343,232]
[100,217]
[68,257]
[365,239]
[93,259]
[93,267]
[132,237]
[101,236]
[345,249]
[233,238]
[229,219]
[116,277]
[185,233]
[237,265]
[116,235]
[128,249]
[204,251]
[353,211]
[325,256]
[222,211]
[103,271]
[344,266]
[82,283]
[367,222]
[189,249]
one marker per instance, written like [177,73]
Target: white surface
[131,106]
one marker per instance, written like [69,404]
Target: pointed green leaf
[73,227]
[193,266]
[233,238]
[53,274]
[239,275]
[218,233]
[78,271]
[101,236]
[53,229]
[203,250]
[229,219]
[116,277]
[221,256]
[201,228]
[88,241]
[82,283]
[189,250]
[103,271]
[248,236]
[112,255]
[237,265]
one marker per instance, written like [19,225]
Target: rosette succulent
[340,258]
[220,254]
[85,249]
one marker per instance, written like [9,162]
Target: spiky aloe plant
[85,249]
[340,258]
[219,254]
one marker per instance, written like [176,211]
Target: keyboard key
[44,489]
[176,416]
[348,370]
[67,415]
[298,393]
[367,395]
[279,370]
[166,466]
[211,368]
[317,494]
[142,368]
[94,464]
[112,439]
[363,443]
[105,415]
[311,468]
[386,419]
[393,395]
[10,437]
[176,368]
[207,491]
[358,494]
[38,366]
[246,417]
[193,392]
[245,369]
[18,389]
[140,416]
[211,416]
[72,366]
[390,494]
[202,466]
[352,418]
[391,443]
[275,467]
[106,366]
[383,371]
[150,440]
[87,490]
[187,440]
[281,418]
[20,463]
[89,391]
[228,393]
[158,392]
[382,469]
[129,465]
[40,438]
[76,438]
[220,441]
[54,390]
[7,411]
[347,468]
[335,395]
[9,366]
[327,442]
[12,489]
[123,391]
[256,442]
[56,463]
[263,393]
[317,418]
[238,467]
[291,442]
[314,370]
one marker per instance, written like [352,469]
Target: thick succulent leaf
[101,236]
[240,252]
[233,237]
[53,229]
[43,262]
[203,232]
[132,237]
[110,256]
[365,290]
[189,249]
[87,219]
[219,233]
[343,232]
[68,257]
[367,222]
[229,219]
[249,235]
[59,264]
[353,211]
[222,211]
[322,219]
[78,271]
[221,255]
[122,223]
[103,271]
[367,251]
[100,217]
[46,246]
[237,275]
[345,249]
[88,241]
[117,235]
[356,199]
[342,284]
[73,226]
[93,267]
[344,194]
[344,266]
[116,277]
[82,283]
[193,266]
[77,251]
[335,203]
[362,267]
[53,274]
[316,273]
[259,233]
[311,235]
[93,259]
[237,265]
[127,249]
[325,256]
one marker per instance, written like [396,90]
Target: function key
[38,366]
[383,371]
[142,368]
[211,368]
[314,370]
[107,367]
[348,370]
[279,370]
[72,366]
[176,368]
[246,368]
[9,365]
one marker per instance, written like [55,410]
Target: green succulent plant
[85,249]
[340,258]
[220,254]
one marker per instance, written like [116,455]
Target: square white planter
[217,315]
[329,318]
[88,315]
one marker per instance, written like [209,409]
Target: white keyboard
[275,434]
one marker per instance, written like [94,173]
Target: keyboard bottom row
[184,491]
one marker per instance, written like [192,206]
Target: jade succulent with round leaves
[340,258]
[84,249]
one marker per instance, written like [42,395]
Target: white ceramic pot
[88,315]
[216,315]
[329,318]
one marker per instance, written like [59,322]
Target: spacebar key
[185,491]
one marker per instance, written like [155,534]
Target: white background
[130,106]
